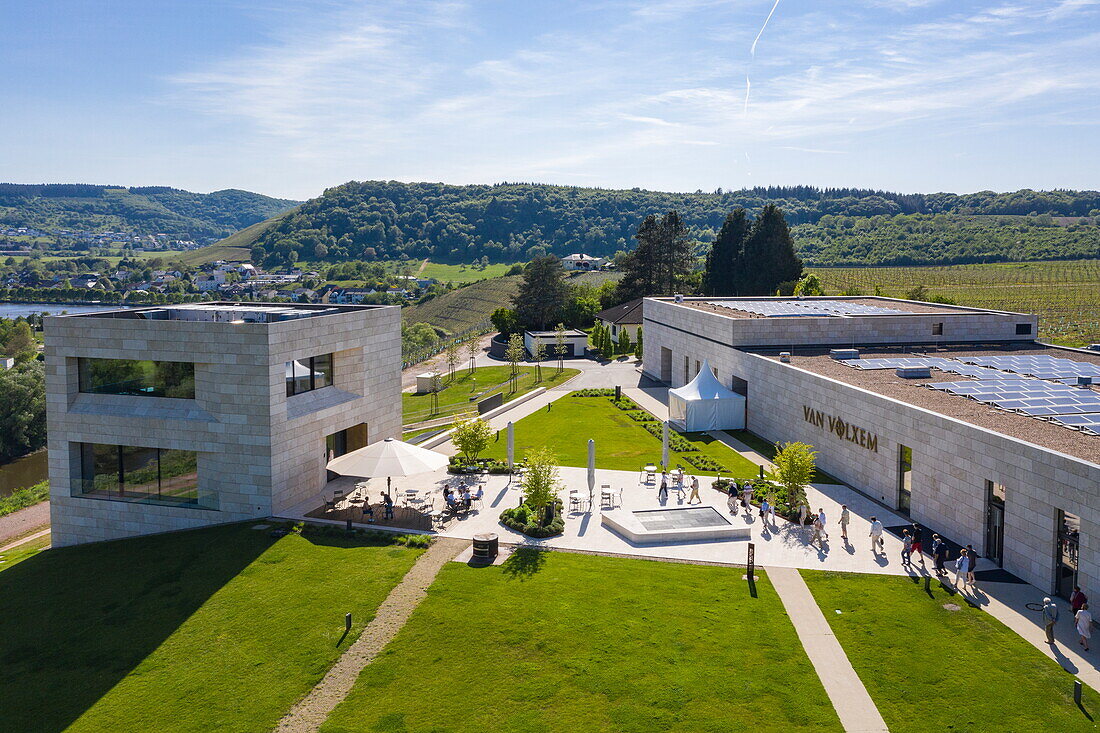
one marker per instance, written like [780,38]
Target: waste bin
[485,545]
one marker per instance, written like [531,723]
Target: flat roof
[821,307]
[885,382]
[226,312]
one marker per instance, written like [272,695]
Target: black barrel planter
[498,346]
[486,545]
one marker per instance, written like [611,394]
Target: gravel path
[23,521]
[314,708]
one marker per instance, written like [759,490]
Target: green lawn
[215,629]
[622,444]
[767,449]
[534,646]
[931,669]
[484,382]
[9,558]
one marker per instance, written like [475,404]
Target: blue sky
[287,98]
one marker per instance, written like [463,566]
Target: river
[15,310]
[23,472]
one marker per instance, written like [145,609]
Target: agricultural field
[460,274]
[465,308]
[1062,293]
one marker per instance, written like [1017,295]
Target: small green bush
[594,392]
[641,416]
[526,520]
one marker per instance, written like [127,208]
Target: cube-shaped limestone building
[181,416]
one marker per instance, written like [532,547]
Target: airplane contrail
[752,55]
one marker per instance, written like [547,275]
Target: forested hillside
[387,219]
[148,210]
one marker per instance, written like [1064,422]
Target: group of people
[387,508]
[461,499]
[678,480]
[1082,618]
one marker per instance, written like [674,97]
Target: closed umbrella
[511,445]
[664,445]
[591,470]
[388,458]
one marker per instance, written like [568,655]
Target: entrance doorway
[905,479]
[995,495]
[666,365]
[1067,553]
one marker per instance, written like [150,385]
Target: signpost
[752,561]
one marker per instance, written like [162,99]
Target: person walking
[821,518]
[771,512]
[971,566]
[906,547]
[1083,619]
[662,493]
[732,502]
[803,511]
[1077,599]
[1050,617]
[918,541]
[960,569]
[694,498]
[845,517]
[819,533]
[765,507]
[746,498]
[939,554]
[876,535]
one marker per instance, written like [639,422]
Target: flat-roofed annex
[828,307]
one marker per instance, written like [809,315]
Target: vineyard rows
[1064,294]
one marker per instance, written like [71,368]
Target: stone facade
[858,433]
[259,451]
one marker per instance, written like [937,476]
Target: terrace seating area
[429,505]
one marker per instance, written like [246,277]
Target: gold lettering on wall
[841,428]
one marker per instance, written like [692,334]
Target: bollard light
[347,622]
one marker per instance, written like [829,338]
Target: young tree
[538,356]
[451,356]
[726,254]
[809,285]
[514,354]
[542,295]
[473,348]
[624,345]
[638,345]
[794,468]
[559,345]
[541,484]
[472,437]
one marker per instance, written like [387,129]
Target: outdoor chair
[574,499]
[337,496]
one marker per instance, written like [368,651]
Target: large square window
[309,373]
[131,473]
[140,377]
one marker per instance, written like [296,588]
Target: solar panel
[812,308]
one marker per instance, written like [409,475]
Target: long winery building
[954,416]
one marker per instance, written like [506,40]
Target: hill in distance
[374,220]
[146,210]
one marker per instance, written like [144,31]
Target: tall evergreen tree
[726,255]
[769,258]
[542,295]
[661,263]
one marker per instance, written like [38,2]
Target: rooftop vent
[785,357]
[1094,347]
[678,297]
[913,372]
[844,354]
[1086,381]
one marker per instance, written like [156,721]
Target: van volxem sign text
[841,428]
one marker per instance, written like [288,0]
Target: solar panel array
[1041,366]
[812,308]
[1037,385]
[1060,403]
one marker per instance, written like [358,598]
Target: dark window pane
[138,377]
[322,367]
[127,473]
[289,378]
[140,477]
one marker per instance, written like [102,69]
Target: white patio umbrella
[511,445]
[388,458]
[664,445]
[591,470]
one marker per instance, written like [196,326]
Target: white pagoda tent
[704,404]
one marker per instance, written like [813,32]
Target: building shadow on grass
[524,562]
[74,621]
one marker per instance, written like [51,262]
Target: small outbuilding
[705,404]
[576,341]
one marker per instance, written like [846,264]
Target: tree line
[517,221]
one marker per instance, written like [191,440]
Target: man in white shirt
[876,535]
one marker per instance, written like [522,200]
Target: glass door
[905,479]
[995,522]
[1067,553]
